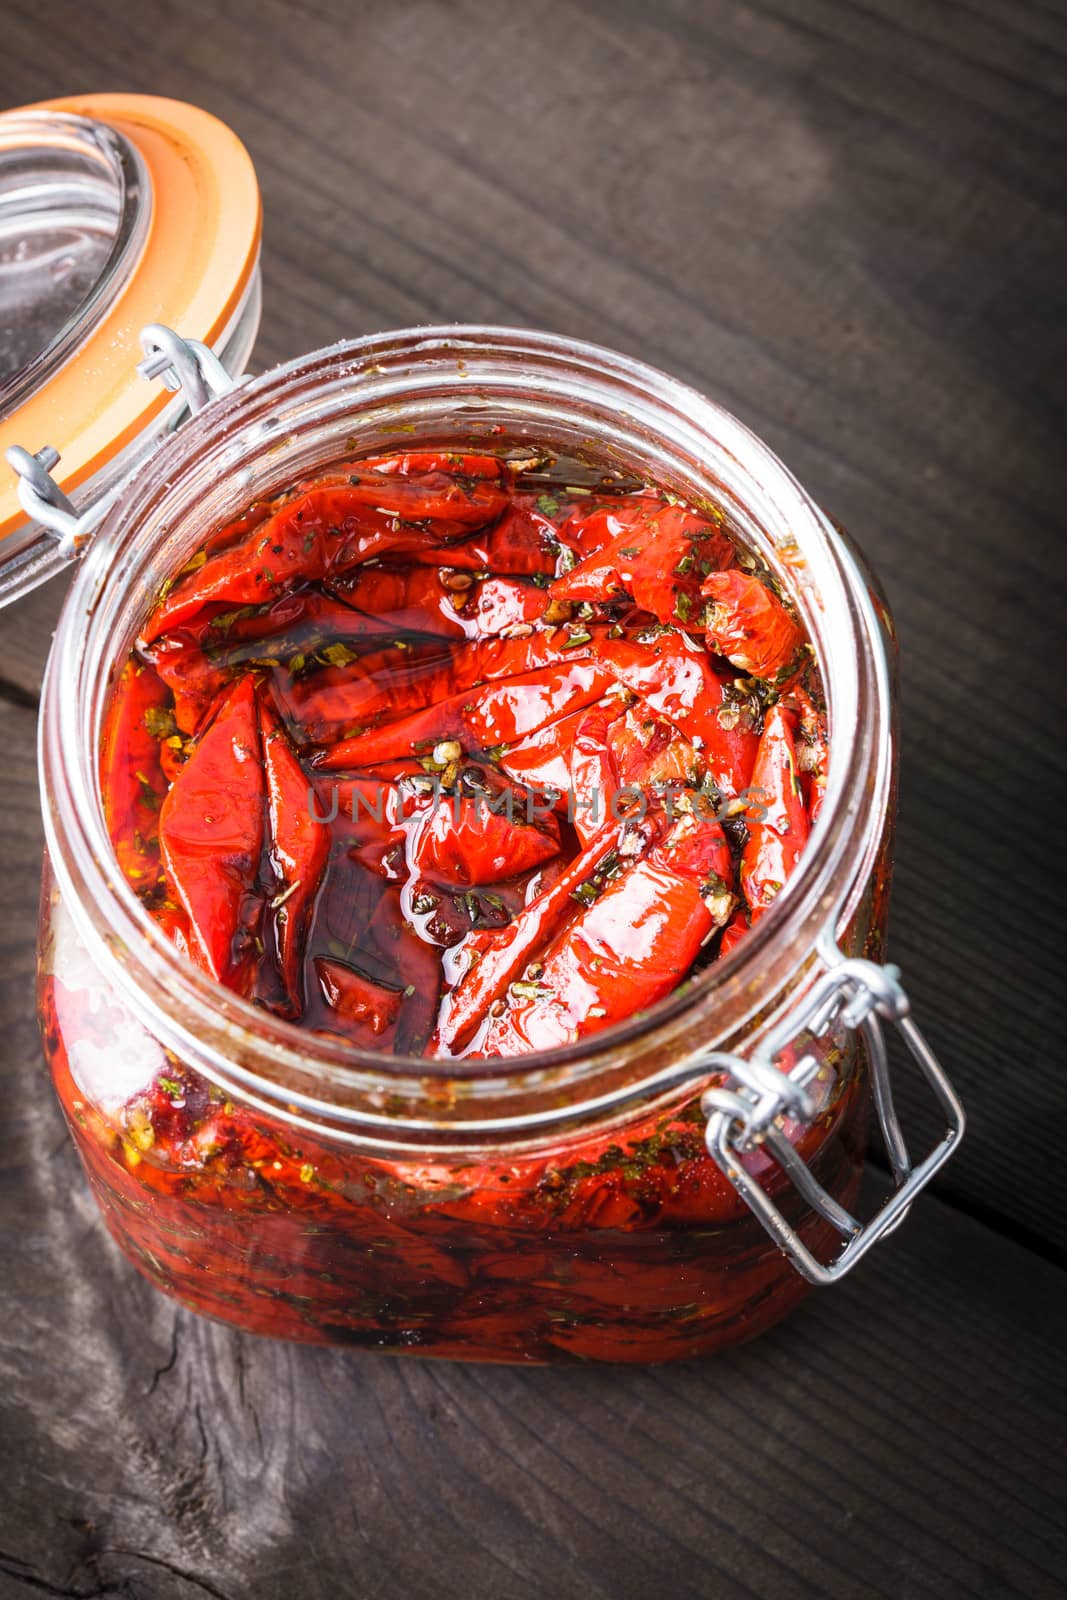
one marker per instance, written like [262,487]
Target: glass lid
[117,212]
[74,208]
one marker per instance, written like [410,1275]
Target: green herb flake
[528,991]
[159,723]
[338,655]
[226,621]
[586,893]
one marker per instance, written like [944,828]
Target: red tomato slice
[299,848]
[777,820]
[750,626]
[211,835]
[462,840]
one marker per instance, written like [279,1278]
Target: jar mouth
[488,386]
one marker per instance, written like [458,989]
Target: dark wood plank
[26,631]
[845,219]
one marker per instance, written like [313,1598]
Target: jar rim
[265,1058]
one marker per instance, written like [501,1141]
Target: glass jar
[646,1194]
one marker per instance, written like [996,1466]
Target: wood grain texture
[844,219]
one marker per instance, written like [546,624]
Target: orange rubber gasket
[201,249]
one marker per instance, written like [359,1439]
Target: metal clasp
[44,501]
[746,1111]
[183,364]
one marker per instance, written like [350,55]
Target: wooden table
[844,218]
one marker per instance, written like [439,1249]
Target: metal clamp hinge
[183,364]
[746,1112]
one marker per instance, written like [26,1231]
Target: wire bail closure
[185,365]
[747,1110]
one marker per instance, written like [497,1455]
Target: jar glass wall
[547,1207]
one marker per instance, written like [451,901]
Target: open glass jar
[661,1190]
